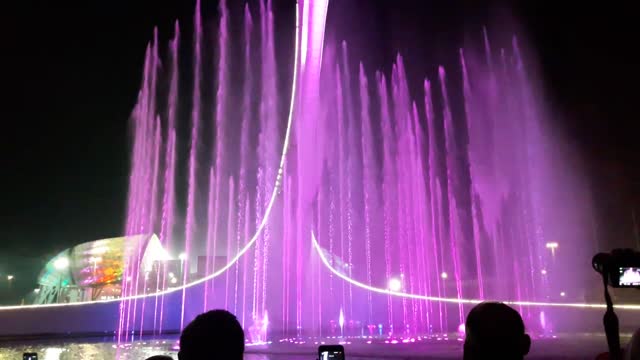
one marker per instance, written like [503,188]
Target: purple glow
[462,329]
[195,124]
[383,213]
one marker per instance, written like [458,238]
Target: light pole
[95,260]
[552,246]
[10,280]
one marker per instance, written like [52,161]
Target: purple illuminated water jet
[402,192]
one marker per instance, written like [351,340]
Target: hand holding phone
[331,352]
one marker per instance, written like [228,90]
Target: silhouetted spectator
[160,357]
[216,334]
[495,331]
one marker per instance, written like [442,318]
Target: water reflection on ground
[585,346]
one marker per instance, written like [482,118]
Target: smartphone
[30,356]
[629,277]
[331,352]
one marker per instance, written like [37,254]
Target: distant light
[341,319]
[543,272]
[182,256]
[543,320]
[395,284]
[36,290]
[444,275]
[172,275]
[462,329]
[61,263]
[95,259]
[552,245]
[562,294]
[9,277]
[174,280]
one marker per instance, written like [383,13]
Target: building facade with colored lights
[94,270]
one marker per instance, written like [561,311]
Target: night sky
[71,71]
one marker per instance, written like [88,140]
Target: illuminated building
[93,270]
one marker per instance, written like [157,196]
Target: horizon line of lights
[254,238]
[400,294]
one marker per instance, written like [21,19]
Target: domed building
[94,270]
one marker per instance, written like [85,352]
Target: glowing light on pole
[9,279]
[95,260]
[552,246]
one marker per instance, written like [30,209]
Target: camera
[620,268]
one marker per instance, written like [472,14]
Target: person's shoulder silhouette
[495,331]
[216,334]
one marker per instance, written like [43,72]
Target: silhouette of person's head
[216,334]
[495,331]
[160,357]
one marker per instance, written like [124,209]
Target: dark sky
[71,71]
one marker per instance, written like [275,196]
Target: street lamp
[552,246]
[95,260]
[9,279]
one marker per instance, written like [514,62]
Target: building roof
[101,262]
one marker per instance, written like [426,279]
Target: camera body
[621,267]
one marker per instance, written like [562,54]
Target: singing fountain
[332,200]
